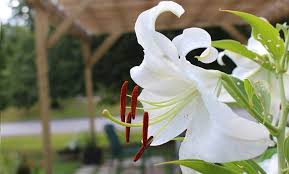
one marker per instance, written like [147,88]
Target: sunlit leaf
[238,48]
[262,91]
[236,89]
[265,33]
[203,167]
[249,91]
[267,154]
[248,167]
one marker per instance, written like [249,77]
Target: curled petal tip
[174,7]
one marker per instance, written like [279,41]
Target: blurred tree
[65,69]
[17,83]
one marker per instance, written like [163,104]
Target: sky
[5,9]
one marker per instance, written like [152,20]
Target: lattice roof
[116,16]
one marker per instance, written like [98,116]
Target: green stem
[282,127]
[284,59]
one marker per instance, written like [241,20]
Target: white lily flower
[168,93]
[248,69]
[270,166]
[175,96]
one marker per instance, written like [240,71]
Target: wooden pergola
[85,18]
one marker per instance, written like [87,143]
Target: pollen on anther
[134,96]
[145,127]
[123,93]
[127,129]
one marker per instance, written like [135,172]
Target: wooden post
[89,86]
[89,60]
[41,29]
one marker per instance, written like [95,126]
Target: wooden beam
[57,16]
[89,86]
[104,47]
[41,30]
[234,33]
[64,26]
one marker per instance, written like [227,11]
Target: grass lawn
[9,162]
[31,147]
[70,108]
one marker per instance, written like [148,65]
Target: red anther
[142,149]
[149,141]
[139,153]
[134,96]
[127,129]
[145,127]
[123,93]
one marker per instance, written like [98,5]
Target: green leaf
[267,154]
[250,91]
[238,48]
[203,167]
[236,89]
[262,91]
[248,167]
[264,32]
[286,149]
[234,46]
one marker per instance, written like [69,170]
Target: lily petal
[160,76]
[209,55]
[256,46]
[219,135]
[176,121]
[270,165]
[245,67]
[194,38]
[146,35]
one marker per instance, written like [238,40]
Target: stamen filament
[137,108]
[167,115]
[123,92]
[127,129]
[170,101]
[172,116]
[108,115]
